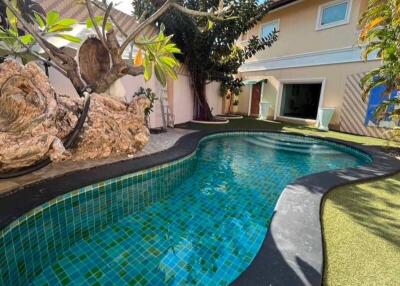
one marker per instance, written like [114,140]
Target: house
[179,92]
[315,63]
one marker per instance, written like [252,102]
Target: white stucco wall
[244,100]
[60,83]
[183,100]
[124,88]
[128,85]
[214,99]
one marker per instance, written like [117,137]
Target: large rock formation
[35,121]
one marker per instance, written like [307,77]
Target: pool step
[294,141]
[287,143]
[318,150]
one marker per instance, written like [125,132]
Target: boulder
[35,121]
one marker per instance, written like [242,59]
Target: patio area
[158,143]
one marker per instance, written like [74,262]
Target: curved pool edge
[292,251]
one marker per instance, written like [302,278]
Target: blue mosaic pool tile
[197,221]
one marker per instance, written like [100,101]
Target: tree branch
[144,24]
[217,15]
[135,71]
[168,4]
[62,60]
[32,31]
[94,22]
[116,24]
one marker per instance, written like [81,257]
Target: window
[333,14]
[301,100]
[268,28]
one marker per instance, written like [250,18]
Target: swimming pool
[200,220]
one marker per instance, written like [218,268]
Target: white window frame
[277,22]
[321,8]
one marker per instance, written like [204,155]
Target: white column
[250,96]
[261,99]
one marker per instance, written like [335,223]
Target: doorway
[301,100]
[255,99]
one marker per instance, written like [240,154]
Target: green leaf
[12,19]
[66,22]
[4,35]
[39,20]
[60,28]
[98,20]
[210,25]
[171,48]
[160,75]
[70,38]
[109,26]
[169,61]
[52,18]
[27,39]
[148,68]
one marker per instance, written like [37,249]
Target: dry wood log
[94,60]
[35,120]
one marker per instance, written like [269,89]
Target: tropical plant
[233,87]
[150,95]
[28,9]
[17,42]
[208,44]
[100,59]
[159,50]
[158,55]
[381,35]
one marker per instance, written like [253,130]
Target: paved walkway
[158,142]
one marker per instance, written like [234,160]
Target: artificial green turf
[254,124]
[361,222]
[361,226]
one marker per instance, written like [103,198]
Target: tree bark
[201,109]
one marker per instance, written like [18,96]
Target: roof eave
[281,4]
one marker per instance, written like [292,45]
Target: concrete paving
[158,143]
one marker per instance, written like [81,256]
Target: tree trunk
[201,108]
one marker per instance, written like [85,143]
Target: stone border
[292,252]
[218,122]
[228,117]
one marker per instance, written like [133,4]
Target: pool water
[207,229]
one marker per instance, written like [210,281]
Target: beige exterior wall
[334,77]
[298,34]
[305,54]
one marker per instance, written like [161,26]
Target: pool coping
[292,251]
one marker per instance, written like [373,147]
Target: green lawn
[361,226]
[254,124]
